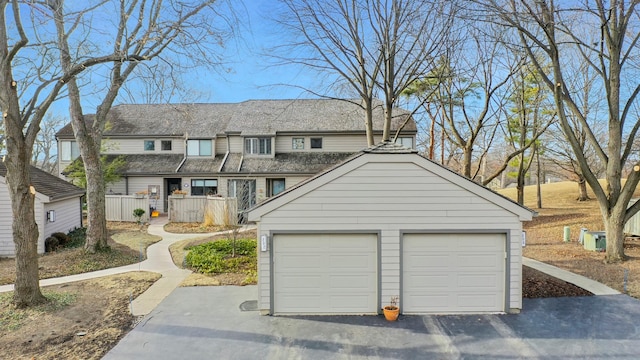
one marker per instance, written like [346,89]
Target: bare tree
[145,30]
[24,103]
[373,47]
[44,154]
[603,34]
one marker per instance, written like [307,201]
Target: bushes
[215,257]
[75,238]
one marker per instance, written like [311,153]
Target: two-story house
[251,150]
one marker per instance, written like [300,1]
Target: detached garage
[389,222]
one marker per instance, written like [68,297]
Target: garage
[325,273]
[389,223]
[453,273]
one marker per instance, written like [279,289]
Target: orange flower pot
[391,313]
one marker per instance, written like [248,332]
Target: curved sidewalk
[158,260]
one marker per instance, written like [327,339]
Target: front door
[171,185]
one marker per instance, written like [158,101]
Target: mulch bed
[536,284]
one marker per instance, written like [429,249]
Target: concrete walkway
[158,260]
[590,285]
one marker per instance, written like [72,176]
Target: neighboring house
[389,222]
[58,208]
[250,150]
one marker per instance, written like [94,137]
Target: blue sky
[251,76]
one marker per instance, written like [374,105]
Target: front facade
[388,222]
[250,150]
[58,208]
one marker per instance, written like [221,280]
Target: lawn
[545,236]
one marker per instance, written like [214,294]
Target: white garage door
[453,273]
[325,273]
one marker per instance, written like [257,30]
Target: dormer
[200,148]
[259,146]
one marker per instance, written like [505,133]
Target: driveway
[219,323]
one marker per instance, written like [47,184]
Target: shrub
[77,237]
[63,238]
[51,244]
[137,213]
[215,257]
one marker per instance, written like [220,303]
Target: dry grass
[83,320]
[545,236]
[128,242]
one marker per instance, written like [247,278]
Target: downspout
[126,184]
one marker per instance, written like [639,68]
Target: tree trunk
[582,188]
[466,161]
[97,233]
[520,180]
[25,230]
[368,109]
[614,227]
[538,175]
[432,140]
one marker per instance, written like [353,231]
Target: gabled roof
[252,117]
[49,185]
[387,148]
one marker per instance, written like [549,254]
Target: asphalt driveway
[219,323]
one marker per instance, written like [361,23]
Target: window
[405,141]
[261,146]
[149,145]
[297,144]
[199,148]
[316,143]
[69,150]
[204,187]
[275,186]
[165,145]
[245,192]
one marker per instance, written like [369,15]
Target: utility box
[595,240]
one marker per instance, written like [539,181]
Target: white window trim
[255,144]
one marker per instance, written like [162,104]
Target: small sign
[524,238]
[264,243]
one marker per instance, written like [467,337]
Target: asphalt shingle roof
[49,185]
[252,117]
[306,162]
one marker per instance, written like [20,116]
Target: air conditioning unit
[595,240]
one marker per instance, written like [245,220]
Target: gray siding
[6,215]
[68,215]
[136,146]
[7,248]
[363,199]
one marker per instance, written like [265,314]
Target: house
[58,208]
[389,222]
[250,150]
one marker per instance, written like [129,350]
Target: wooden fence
[203,209]
[120,207]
